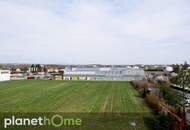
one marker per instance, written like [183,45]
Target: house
[5,75]
[58,77]
[52,70]
[18,74]
[34,68]
[66,78]
[18,70]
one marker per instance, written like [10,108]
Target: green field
[70,96]
[101,105]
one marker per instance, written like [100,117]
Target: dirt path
[103,107]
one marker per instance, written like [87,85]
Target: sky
[95,31]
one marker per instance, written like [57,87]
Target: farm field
[101,104]
[70,96]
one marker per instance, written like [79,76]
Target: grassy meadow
[102,105]
[70,96]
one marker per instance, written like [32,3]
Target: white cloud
[107,32]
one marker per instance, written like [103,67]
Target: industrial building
[5,75]
[103,73]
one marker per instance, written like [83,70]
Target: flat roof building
[5,75]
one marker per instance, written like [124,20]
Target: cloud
[106,32]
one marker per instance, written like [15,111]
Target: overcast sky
[95,31]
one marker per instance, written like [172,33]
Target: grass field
[101,105]
[70,96]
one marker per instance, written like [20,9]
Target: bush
[169,95]
[153,100]
[141,84]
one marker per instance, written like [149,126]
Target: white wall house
[5,75]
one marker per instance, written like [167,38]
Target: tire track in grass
[95,98]
[110,93]
[116,100]
[93,93]
[100,97]
[103,107]
[98,100]
[109,96]
[84,99]
[87,97]
[123,99]
[121,96]
[111,100]
[114,97]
